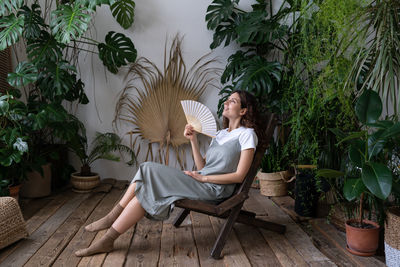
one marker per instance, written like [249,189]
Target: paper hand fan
[200,117]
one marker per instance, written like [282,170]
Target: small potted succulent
[103,146]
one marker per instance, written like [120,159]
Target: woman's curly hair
[252,118]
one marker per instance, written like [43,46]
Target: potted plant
[274,174]
[368,151]
[48,78]
[102,147]
[13,145]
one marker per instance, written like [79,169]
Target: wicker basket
[274,184]
[392,237]
[12,224]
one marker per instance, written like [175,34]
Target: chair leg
[250,220]
[224,232]
[181,217]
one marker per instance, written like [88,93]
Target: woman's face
[232,107]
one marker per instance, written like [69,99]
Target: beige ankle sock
[105,244]
[106,221]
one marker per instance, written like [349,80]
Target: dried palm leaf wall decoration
[150,102]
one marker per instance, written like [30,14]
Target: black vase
[306,196]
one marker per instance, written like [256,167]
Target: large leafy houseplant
[13,136]
[259,33]
[54,33]
[369,173]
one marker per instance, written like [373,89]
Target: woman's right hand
[190,133]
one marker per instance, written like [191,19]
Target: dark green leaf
[4,106]
[378,179]
[368,107]
[25,73]
[44,48]
[117,51]
[392,132]
[123,12]
[357,153]
[328,173]
[33,21]
[218,12]
[11,30]
[375,143]
[353,188]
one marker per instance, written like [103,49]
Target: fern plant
[102,147]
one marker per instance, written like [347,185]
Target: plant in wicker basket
[103,147]
[274,174]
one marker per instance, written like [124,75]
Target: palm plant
[102,147]
[376,40]
[152,106]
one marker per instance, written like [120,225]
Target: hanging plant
[150,102]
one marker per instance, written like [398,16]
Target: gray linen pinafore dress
[159,186]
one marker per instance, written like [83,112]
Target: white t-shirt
[247,137]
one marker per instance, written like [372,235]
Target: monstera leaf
[70,22]
[117,51]
[43,48]
[7,7]
[12,29]
[56,78]
[253,28]
[33,21]
[219,11]
[24,74]
[123,12]
[258,75]
[92,4]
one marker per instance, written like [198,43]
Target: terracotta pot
[84,184]
[14,191]
[362,242]
[37,185]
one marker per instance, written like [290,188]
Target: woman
[156,187]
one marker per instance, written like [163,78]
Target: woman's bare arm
[191,134]
[198,158]
[246,158]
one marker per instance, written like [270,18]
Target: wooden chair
[231,208]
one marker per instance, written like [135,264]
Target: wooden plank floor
[55,225]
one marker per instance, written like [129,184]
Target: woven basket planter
[273,184]
[84,184]
[392,237]
[12,224]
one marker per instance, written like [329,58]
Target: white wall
[154,21]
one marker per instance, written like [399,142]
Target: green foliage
[33,21]
[102,147]
[375,37]
[275,158]
[116,51]
[9,6]
[25,73]
[256,31]
[123,12]
[70,21]
[12,29]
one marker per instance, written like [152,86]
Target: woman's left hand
[195,175]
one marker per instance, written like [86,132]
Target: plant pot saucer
[358,253]
[81,190]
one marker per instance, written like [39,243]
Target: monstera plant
[53,33]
